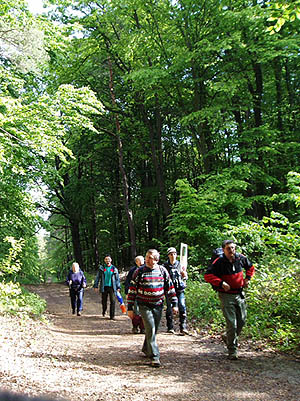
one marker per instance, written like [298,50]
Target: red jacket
[233,273]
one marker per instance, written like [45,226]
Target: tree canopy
[119,110]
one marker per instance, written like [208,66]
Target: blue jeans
[182,312]
[234,310]
[76,299]
[151,318]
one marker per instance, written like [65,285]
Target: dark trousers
[76,299]
[109,291]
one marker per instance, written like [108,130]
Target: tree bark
[128,211]
[76,241]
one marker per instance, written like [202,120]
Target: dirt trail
[91,358]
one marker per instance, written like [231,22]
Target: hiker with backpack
[76,282]
[149,286]
[137,321]
[226,275]
[178,277]
[108,280]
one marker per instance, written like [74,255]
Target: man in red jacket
[227,277]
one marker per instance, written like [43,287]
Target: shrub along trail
[92,358]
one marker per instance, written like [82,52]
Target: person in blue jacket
[76,282]
[109,279]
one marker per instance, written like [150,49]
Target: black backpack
[216,253]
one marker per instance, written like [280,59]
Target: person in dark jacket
[149,286]
[226,275]
[109,279]
[137,321]
[76,282]
[178,277]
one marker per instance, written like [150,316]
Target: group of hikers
[148,283]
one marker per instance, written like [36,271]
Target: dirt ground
[92,358]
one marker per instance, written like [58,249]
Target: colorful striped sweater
[150,286]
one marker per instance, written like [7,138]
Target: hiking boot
[145,354]
[156,363]
[135,330]
[233,357]
[142,331]
[73,312]
[171,331]
[78,314]
[184,332]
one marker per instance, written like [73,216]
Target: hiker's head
[75,267]
[172,254]
[229,248]
[152,257]
[107,260]
[139,260]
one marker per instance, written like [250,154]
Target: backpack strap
[139,275]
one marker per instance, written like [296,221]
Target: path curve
[91,358]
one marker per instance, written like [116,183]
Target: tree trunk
[76,241]
[278,79]
[94,238]
[128,211]
[154,129]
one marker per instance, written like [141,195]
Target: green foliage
[294,186]
[199,217]
[19,260]
[17,301]
[11,264]
[203,305]
[273,235]
[282,11]
[274,302]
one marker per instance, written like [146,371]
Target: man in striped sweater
[149,286]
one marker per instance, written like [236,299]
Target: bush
[274,305]
[17,301]
[203,307]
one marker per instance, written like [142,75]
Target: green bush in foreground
[274,305]
[203,306]
[16,300]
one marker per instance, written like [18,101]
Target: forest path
[91,358]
